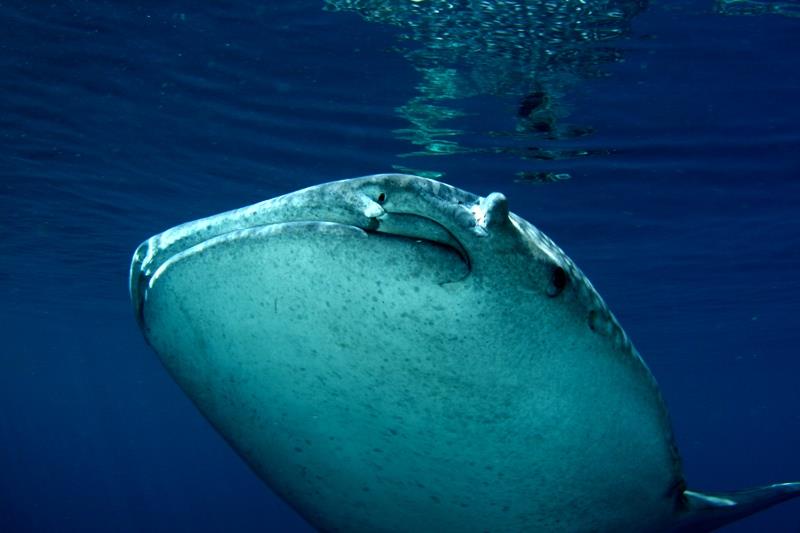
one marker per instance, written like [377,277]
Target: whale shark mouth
[421,229]
[157,253]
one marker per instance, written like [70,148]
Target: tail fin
[709,511]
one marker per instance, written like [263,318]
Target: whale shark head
[393,353]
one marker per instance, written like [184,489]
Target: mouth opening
[422,229]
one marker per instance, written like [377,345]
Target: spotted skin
[391,353]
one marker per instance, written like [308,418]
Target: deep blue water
[677,122]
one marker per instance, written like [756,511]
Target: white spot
[479,214]
[373,210]
[721,502]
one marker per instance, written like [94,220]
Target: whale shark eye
[558,281]
[381,198]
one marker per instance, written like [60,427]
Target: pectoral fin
[711,510]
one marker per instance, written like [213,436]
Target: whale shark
[392,353]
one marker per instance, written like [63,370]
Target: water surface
[656,142]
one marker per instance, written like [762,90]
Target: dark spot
[676,493]
[558,281]
[593,320]
[531,103]
[542,126]
[372,225]
[381,198]
[600,323]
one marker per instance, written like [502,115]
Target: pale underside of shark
[391,353]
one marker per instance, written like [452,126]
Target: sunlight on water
[757,7]
[528,55]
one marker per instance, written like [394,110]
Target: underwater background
[658,143]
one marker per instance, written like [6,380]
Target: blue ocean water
[656,142]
